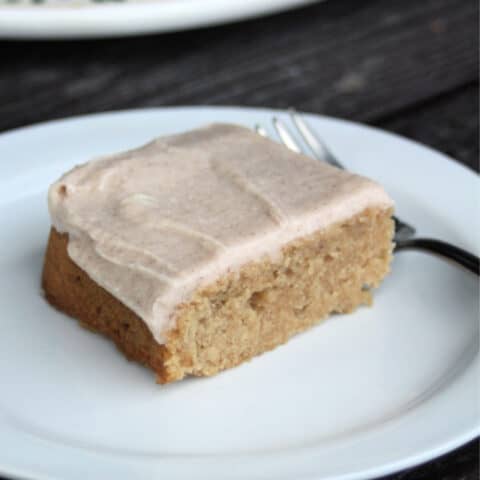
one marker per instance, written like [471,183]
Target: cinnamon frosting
[151,225]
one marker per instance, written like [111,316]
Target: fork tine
[316,145]
[285,135]
[260,130]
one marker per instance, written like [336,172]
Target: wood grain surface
[359,60]
[408,66]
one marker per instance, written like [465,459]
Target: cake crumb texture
[243,313]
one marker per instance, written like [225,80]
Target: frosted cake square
[199,251]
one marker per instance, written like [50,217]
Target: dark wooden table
[407,66]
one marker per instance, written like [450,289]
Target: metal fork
[404,233]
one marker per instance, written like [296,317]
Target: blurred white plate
[29,19]
[358,396]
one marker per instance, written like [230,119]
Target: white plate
[107,18]
[360,395]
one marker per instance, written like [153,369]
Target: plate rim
[226,107]
[98,20]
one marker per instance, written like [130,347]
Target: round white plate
[358,396]
[30,19]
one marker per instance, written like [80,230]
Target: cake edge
[69,288]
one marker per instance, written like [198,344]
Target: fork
[404,237]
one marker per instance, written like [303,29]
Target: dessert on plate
[200,250]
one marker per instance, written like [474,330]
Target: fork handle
[443,249]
